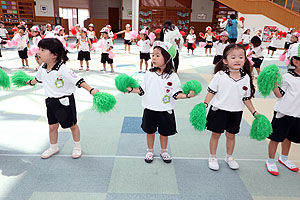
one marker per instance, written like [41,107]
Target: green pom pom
[192,85]
[261,128]
[198,117]
[103,102]
[124,81]
[20,78]
[267,79]
[4,80]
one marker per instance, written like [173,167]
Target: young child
[160,88]
[259,34]
[145,45]
[286,118]
[60,35]
[220,46]
[3,33]
[91,33]
[294,40]
[110,33]
[36,38]
[107,46]
[49,32]
[59,87]
[85,46]
[246,37]
[230,89]
[22,46]
[209,40]
[274,42]
[77,28]
[191,39]
[256,53]
[288,38]
[127,39]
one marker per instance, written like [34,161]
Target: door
[113,18]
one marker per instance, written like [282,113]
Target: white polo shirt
[274,41]
[145,46]
[289,104]
[60,81]
[258,52]
[229,94]
[191,38]
[159,94]
[22,44]
[84,44]
[3,32]
[107,43]
[36,40]
[246,38]
[220,47]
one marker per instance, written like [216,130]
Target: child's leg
[257,70]
[26,61]
[53,135]
[141,64]
[126,47]
[268,51]
[192,52]
[163,142]
[87,63]
[146,64]
[272,149]
[104,66]
[213,143]
[283,158]
[150,152]
[23,60]
[230,143]
[272,53]
[150,140]
[81,63]
[205,51]
[285,147]
[209,51]
[111,68]
[76,138]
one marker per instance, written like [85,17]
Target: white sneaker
[76,153]
[272,168]
[213,164]
[231,162]
[49,152]
[291,166]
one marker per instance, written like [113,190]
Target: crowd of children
[228,92]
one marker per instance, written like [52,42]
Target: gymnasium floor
[112,165]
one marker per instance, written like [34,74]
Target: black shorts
[91,39]
[127,42]
[65,115]
[220,120]
[287,45]
[217,58]
[145,56]
[190,46]
[257,62]
[105,58]
[23,53]
[161,120]
[285,127]
[84,55]
[272,48]
[208,45]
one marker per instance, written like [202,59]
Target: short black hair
[256,41]
[232,16]
[22,27]
[55,47]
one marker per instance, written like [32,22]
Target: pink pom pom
[287,62]
[152,36]
[202,44]
[133,34]
[34,49]
[93,47]
[17,37]
[251,62]
[9,44]
[72,45]
[14,43]
[282,57]
[111,54]
[30,53]
[100,44]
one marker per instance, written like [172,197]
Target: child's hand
[94,91]
[191,93]
[129,89]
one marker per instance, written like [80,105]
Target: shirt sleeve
[284,84]
[38,76]
[177,87]
[71,76]
[223,24]
[247,88]
[144,84]
[214,84]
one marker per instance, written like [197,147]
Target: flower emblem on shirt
[169,83]
[59,83]
[168,90]
[166,99]
[245,88]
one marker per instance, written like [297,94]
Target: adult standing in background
[170,33]
[231,25]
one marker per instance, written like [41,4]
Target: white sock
[54,146]
[228,156]
[77,145]
[213,156]
[164,150]
[284,158]
[271,160]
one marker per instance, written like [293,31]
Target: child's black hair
[92,27]
[256,41]
[220,66]
[146,37]
[246,31]
[292,59]
[55,47]
[22,27]
[169,69]
[192,28]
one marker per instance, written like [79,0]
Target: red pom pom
[247,47]
[214,33]
[194,45]
[115,36]
[138,37]
[242,18]
[14,29]
[185,44]
[298,31]
[157,30]
[73,30]
[224,19]
[95,40]
[240,42]
[182,33]
[201,34]
[42,36]
[217,37]
[280,33]
[284,34]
